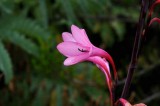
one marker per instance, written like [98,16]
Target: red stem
[137,43]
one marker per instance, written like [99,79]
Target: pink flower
[126,103]
[78,48]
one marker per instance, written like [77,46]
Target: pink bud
[126,103]
[154,20]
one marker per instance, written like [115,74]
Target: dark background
[31,68]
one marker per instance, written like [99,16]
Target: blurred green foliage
[31,68]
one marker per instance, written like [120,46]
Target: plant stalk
[137,43]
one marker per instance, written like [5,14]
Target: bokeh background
[32,71]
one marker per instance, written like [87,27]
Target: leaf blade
[5,63]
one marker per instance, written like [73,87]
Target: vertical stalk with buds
[137,44]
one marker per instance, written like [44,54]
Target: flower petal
[140,104]
[103,65]
[80,35]
[70,49]
[100,52]
[67,37]
[76,59]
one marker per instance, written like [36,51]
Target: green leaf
[79,101]
[68,8]
[59,95]
[5,63]
[21,41]
[119,29]
[43,93]
[93,92]
[6,6]
[29,28]
[84,10]
[43,16]
[107,34]
[24,26]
